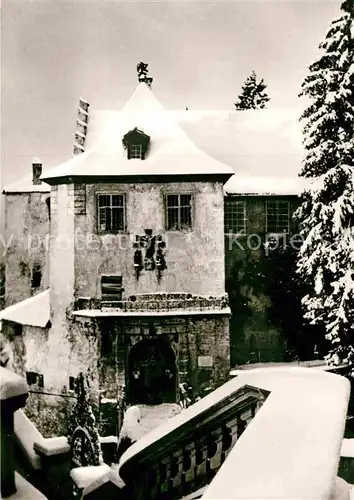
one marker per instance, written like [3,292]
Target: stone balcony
[267,434]
[151,304]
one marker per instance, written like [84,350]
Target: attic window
[136,142]
[136,151]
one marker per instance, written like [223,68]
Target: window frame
[277,201]
[110,194]
[243,231]
[34,378]
[35,272]
[133,156]
[179,194]
[72,383]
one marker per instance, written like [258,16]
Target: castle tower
[137,256]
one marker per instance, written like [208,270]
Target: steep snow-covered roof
[264,147]
[25,185]
[34,311]
[171,151]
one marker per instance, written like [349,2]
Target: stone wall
[253,336]
[26,239]
[200,344]
[101,348]
[56,359]
[195,259]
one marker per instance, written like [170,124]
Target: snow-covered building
[130,238]
[26,233]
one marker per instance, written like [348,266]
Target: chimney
[36,172]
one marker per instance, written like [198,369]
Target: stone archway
[152,372]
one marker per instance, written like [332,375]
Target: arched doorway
[152,372]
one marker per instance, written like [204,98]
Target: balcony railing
[188,458]
[156,303]
[222,447]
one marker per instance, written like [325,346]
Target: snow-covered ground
[154,416]
[25,490]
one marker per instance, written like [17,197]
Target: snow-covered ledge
[11,385]
[13,395]
[291,449]
[91,478]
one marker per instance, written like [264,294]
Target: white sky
[199,54]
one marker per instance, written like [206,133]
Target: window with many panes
[136,151]
[178,212]
[277,216]
[111,212]
[234,216]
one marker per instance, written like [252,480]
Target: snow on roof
[11,384]
[264,147]
[25,185]
[291,447]
[34,311]
[264,185]
[171,151]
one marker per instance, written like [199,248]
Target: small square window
[111,212]
[36,276]
[178,212]
[277,216]
[17,329]
[72,383]
[34,378]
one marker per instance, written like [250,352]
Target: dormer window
[136,151]
[136,143]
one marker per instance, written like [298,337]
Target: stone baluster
[13,395]
[186,469]
[226,441]
[212,448]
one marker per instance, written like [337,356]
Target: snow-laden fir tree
[326,216]
[82,426]
[253,94]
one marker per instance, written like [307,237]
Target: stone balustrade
[189,457]
[223,447]
[159,302]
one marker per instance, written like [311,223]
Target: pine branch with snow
[82,417]
[253,94]
[326,216]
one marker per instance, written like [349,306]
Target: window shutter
[111,288]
